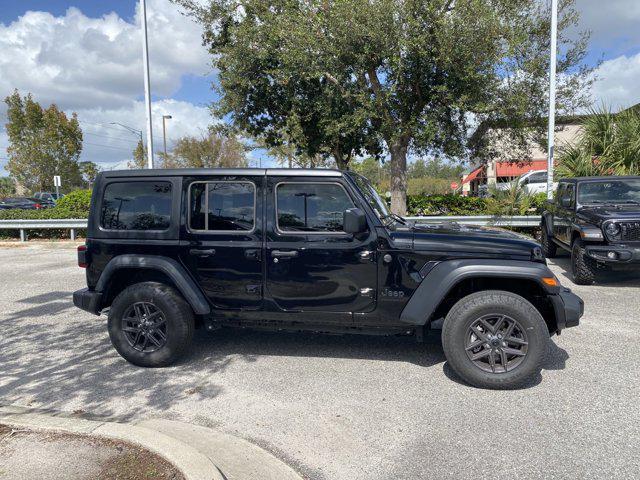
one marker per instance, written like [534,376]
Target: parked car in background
[50,197]
[22,203]
[533,182]
[597,219]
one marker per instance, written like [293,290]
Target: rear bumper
[87,300]
[568,309]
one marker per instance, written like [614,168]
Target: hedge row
[450,204]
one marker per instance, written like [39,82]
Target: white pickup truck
[533,182]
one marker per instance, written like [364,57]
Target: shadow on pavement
[50,358]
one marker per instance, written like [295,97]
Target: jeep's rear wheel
[549,249]
[495,339]
[583,268]
[150,324]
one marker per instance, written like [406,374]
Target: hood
[598,214]
[454,237]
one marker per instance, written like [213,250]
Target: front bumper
[568,308]
[88,300]
[624,255]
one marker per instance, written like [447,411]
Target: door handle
[284,254]
[202,253]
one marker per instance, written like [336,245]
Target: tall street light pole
[164,133]
[552,96]
[147,84]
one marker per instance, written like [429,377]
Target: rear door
[312,264]
[224,239]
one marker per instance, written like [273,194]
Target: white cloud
[93,66]
[110,145]
[612,23]
[81,62]
[617,84]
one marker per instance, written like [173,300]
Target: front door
[312,264]
[564,212]
[223,247]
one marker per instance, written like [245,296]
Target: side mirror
[354,221]
[565,202]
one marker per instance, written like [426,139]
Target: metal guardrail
[526,221]
[63,224]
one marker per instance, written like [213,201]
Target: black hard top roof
[599,179]
[188,172]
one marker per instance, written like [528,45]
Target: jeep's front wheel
[150,324]
[583,268]
[549,249]
[495,339]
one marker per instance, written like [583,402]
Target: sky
[86,56]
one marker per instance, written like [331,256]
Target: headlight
[612,230]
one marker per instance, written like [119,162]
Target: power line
[109,136]
[106,146]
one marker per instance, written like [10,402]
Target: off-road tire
[472,307]
[179,323]
[583,268]
[549,249]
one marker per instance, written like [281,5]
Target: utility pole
[164,134]
[552,97]
[147,84]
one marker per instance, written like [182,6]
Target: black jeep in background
[168,251]
[597,219]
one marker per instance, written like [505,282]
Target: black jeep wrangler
[168,251]
[597,219]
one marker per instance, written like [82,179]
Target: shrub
[448,204]
[76,201]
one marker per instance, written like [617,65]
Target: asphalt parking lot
[339,407]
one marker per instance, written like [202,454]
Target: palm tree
[609,145]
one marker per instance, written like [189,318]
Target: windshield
[371,195]
[610,191]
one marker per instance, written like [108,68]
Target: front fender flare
[170,267]
[445,275]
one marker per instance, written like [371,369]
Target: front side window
[136,206]
[222,206]
[311,207]
[538,177]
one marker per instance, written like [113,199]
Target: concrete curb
[236,458]
[193,464]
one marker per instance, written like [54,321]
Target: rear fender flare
[170,267]
[446,275]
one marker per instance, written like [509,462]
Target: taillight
[38,206]
[82,256]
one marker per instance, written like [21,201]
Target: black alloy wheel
[145,327]
[496,343]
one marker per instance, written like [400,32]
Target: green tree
[213,150]
[608,145]
[42,143]
[7,187]
[89,171]
[389,75]
[139,154]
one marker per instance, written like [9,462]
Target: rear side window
[136,206]
[309,207]
[222,206]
